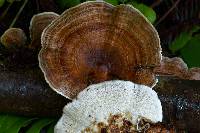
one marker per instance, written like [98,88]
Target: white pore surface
[97,102]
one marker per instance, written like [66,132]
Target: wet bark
[181,102]
[25,92]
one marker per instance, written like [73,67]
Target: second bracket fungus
[95,42]
[13,37]
[38,23]
[178,68]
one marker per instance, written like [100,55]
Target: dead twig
[18,14]
[167,13]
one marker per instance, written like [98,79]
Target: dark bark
[25,92]
[181,102]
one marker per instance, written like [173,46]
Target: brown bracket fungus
[96,105]
[95,42]
[13,37]
[171,66]
[178,68]
[38,23]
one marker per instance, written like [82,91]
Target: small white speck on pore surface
[98,101]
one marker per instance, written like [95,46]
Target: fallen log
[25,92]
[181,102]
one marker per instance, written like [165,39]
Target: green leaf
[123,1]
[195,29]
[1,2]
[198,35]
[38,125]
[148,12]
[113,2]
[191,52]
[51,128]
[182,39]
[12,124]
[180,42]
[7,121]
[21,122]
[3,121]
[68,3]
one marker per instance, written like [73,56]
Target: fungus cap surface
[37,24]
[95,42]
[97,102]
[13,37]
[178,68]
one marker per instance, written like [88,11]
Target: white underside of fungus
[97,102]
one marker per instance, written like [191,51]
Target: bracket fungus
[95,42]
[109,106]
[178,68]
[13,37]
[38,23]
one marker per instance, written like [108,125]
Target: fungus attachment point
[95,42]
[13,37]
[112,106]
[38,23]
